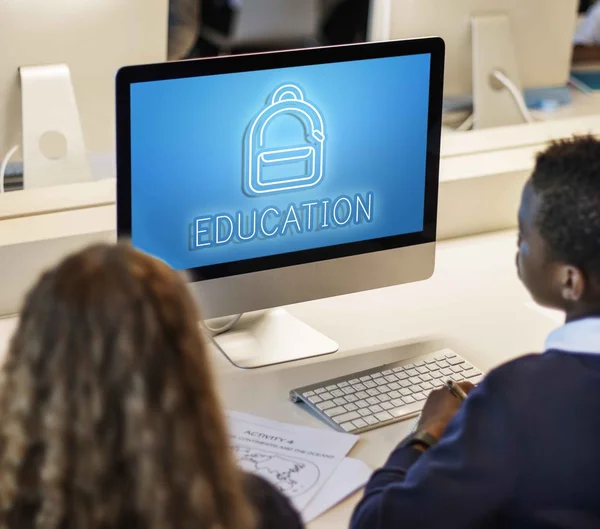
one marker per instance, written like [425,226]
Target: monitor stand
[493,50]
[271,337]
[53,146]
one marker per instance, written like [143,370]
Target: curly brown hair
[109,417]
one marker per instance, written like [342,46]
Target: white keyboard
[384,395]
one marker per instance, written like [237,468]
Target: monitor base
[493,49]
[53,145]
[271,337]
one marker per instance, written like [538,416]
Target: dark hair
[567,180]
[108,410]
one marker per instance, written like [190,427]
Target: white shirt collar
[580,336]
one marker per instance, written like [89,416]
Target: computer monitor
[528,41]
[280,178]
[93,39]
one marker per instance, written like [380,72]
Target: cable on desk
[224,328]
[515,93]
[467,124]
[4,165]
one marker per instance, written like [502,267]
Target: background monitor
[528,40]
[283,177]
[94,39]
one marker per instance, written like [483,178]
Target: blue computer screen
[244,165]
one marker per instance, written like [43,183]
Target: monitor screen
[239,171]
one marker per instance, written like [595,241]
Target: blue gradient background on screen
[187,138]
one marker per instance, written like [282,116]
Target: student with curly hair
[109,417]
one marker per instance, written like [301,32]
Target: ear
[573,283]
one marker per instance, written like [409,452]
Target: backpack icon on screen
[283,168]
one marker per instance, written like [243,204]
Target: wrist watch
[420,437]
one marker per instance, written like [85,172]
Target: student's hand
[439,409]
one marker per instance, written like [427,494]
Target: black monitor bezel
[129,75]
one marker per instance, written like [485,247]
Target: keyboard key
[376,409]
[450,355]
[309,394]
[414,380]
[326,396]
[387,405]
[383,416]
[319,391]
[349,390]
[419,363]
[348,426]
[394,386]
[435,374]
[365,378]
[350,416]
[409,366]
[408,400]
[315,399]
[351,398]
[418,396]
[394,394]
[362,394]
[364,412]
[383,398]
[343,385]
[412,372]
[373,401]
[332,412]
[326,405]
[371,420]
[426,377]
[427,386]
[370,384]
[362,404]
[476,380]
[440,357]
[406,410]
[351,407]
[405,383]
[332,387]
[457,369]
[443,364]
[391,378]
[422,370]
[360,423]
[340,401]
[337,393]
[405,392]
[470,373]
[384,388]
[379,381]
[354,381]
[447,372]
[359,387]
[402,376]
[455,361]
[373,392]
[430,361]
[398,369]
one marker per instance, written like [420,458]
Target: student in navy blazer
[523,450]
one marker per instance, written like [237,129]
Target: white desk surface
[474,303]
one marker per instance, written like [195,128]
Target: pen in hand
[455,389]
